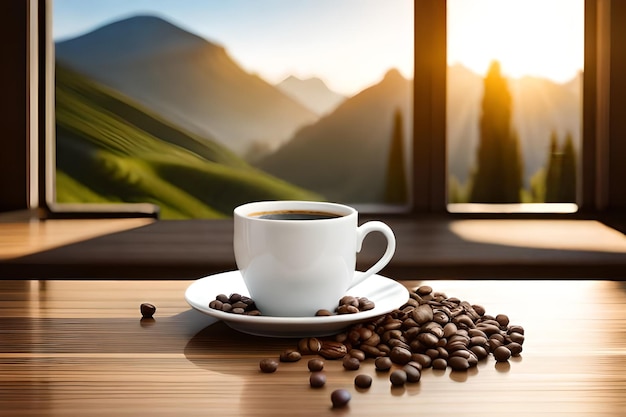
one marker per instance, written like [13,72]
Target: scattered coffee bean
[315,365]
[357,353]
[502,354]
[347,309]
[147,310]
[317,380]
[440,364]
[268,365]
[333,350]
[290,355]
[363,381]
[412,373]
[502,319]
[383,363]
[351,363]
[340,398]
[516,337]
[309,345]
[424,290]
[398,377]
[323,313]
[400,355]
[458,363]
[515,348]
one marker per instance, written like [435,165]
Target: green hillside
[110,149]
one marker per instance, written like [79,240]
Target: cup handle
[364,230]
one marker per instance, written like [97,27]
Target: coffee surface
[295,215]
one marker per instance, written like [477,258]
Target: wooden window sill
[437,247]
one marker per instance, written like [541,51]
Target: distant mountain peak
[312,93]
[132,36]
[393,74]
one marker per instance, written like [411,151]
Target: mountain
[192,82]
[344,155]
[312,93]
[539,107]
[111,149]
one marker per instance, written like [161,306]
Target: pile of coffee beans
[240,304]
[430,330]
[236,304]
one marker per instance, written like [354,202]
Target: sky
[529,37]
[351,44]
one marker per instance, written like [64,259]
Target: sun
[542,38]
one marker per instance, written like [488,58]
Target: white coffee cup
[293,268]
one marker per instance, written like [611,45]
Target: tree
[553,174]
[561,176]
[396,186]
[498,175]
[568,171]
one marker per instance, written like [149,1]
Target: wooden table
[79,348]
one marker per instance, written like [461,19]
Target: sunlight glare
[531,37]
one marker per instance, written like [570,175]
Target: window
[198,107]
[514,104]
[604,121]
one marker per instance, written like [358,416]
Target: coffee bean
[347,309]
[147,310]
[340,398]
[458,363]
[290,355]
[502,354]
[400,355]
[383,363]
[440,364]
[349,300]
[422,359]
[309,345]
[351,363]
[363,381]
[515,348]
[323,312]
[412,373]
[357,353]
[268,365]
[317,379]
[502,319]
[422,314]
[516,337]
[480,352]
[424,290]
[480,310]
[398,377]
[315,365]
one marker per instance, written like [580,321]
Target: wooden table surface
[80,348]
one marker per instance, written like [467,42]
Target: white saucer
[386,294]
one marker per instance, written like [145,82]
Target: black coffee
[295,215]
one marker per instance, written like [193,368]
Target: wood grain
[20,238]
[76,348]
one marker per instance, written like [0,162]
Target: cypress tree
[396,184]
[498,175]
[567,182]
[553,173]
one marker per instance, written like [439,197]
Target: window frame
[603,138]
